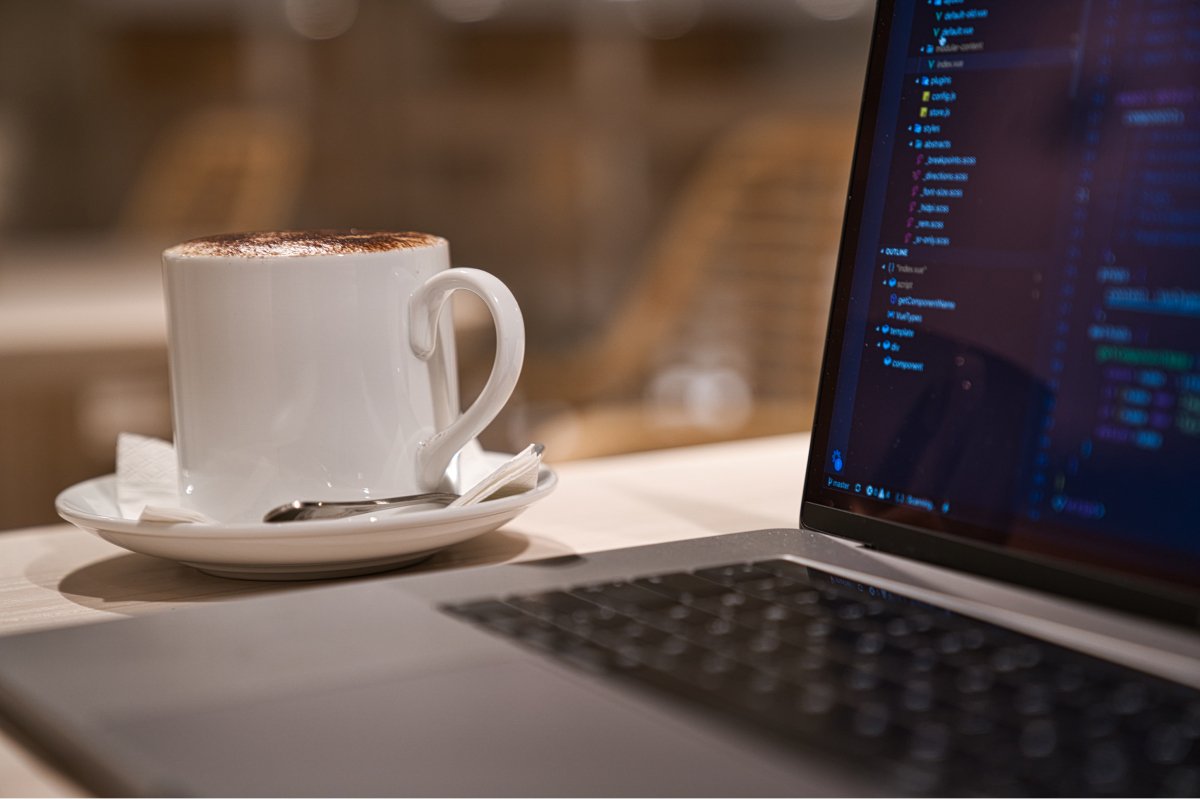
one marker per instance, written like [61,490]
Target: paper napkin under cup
[515,476]
[148,481]
[148,484]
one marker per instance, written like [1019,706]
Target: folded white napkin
[148,481]
[515,476]
[148,485]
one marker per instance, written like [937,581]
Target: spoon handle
[298,510]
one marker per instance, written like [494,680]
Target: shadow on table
[131,584]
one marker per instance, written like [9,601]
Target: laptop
[993,585]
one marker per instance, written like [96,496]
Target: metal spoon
[298,510]
[519,473]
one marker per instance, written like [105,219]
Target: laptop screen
[1014,353]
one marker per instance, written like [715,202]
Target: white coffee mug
[319,365]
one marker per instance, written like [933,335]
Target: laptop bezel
[1160,600]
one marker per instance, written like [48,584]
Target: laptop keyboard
[940,703]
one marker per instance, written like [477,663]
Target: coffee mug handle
[425,310]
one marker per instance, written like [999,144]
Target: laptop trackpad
[475,736]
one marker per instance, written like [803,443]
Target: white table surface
[58,575]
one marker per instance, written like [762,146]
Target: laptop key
[773,587]
[732,574]
[678,619]
[622,596]
[682,586]
[631,633]
[784,568]
[729,603]
[553,604]
[486,611]
[771,616]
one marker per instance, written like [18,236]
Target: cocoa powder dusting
[300,243]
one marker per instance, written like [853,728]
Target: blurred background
[660,182]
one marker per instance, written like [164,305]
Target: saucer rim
[415,520]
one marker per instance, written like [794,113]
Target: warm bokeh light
[321,19]
[467,10]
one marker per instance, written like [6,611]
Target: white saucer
[295,550]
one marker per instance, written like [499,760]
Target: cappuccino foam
[300,243]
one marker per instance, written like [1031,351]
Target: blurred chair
[61,411]
[219,170]
[721,337]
